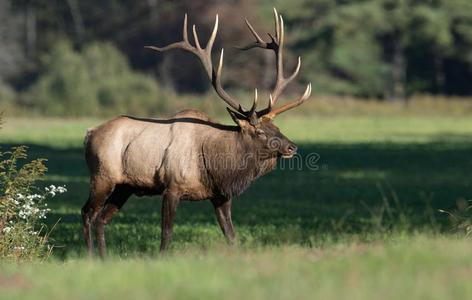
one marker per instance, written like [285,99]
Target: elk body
[188,156]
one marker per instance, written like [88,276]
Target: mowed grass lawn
[361,222]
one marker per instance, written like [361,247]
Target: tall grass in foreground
[402,267]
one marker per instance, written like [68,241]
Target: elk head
[255,125]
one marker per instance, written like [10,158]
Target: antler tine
[220,64]
[291,104]
[254,104]
[277,28]
[282,82]
[212,38]
[216,82]
[259,43]
[184,31]
[280,50]
[195,38]
[184,44]
[254,32]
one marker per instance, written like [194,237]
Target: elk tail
[87,137]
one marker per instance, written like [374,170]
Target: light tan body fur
[140,153]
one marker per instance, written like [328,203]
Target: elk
[188,156]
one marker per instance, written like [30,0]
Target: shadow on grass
[355,186]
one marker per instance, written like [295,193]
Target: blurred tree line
[385,48]
[80,57]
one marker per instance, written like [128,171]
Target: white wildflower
[53,190]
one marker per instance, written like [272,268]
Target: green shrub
[22,207]
[97,80]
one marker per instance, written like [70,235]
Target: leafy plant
[23,207]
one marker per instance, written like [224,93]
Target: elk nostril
[292,148]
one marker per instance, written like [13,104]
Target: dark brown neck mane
[232,163]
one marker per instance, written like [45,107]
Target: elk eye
[260,133]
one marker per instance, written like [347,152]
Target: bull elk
[188,156]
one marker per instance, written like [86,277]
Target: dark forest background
[71,57]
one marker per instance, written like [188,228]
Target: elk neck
[232,162]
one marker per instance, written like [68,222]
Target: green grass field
[364,223]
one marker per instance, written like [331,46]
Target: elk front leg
[223,215]
[169,207]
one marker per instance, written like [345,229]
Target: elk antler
[204,54]
[276,44]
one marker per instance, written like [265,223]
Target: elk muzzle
[289,150]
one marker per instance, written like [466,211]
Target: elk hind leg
[170,202]
[114,203]
[99,192]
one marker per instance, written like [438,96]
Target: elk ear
[240,120]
